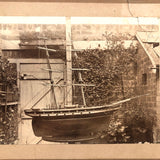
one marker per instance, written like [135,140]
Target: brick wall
[146,79]
[141,80]
[79,31]
[14,31]
[96,31]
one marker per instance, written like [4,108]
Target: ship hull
[71,128]
[71,125]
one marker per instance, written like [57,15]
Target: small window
[144,79]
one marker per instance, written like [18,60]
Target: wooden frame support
[68,62]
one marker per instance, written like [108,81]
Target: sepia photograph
[79,80]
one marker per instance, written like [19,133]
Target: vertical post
[82,90]
[19,106]
[68,62]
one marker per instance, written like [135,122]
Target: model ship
[73,123]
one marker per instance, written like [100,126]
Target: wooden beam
[63,85]
[56,42]
[68,62]
[35,61]
[19,105]
[46,69]
[9,104]
[52,50]
[52,93]
[80,69]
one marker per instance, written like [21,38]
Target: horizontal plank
[9,104]
[35,61]
[52,50]
[73,113]
[77,45]
[49,42]
[79,69]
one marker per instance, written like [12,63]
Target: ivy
[8,74]
[109,69]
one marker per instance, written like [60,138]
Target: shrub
[109,69]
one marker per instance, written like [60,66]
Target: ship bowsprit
[70,126]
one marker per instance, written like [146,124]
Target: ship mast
[69,69]
[68,63]
[52,92]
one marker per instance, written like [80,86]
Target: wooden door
[33,79]
[34,84]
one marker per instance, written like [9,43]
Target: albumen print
[79,80]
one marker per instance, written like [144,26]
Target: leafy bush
[109,69]
[8,72]
[8,114]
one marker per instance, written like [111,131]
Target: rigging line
[49,65]
[53,98]
[41,98]
[35,95]
[65,97]
[31,140]
[39,141]
[80,78]
[129,99]
[32,94]
[37,92]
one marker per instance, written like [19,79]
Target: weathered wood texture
[33,85]
[68,62]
